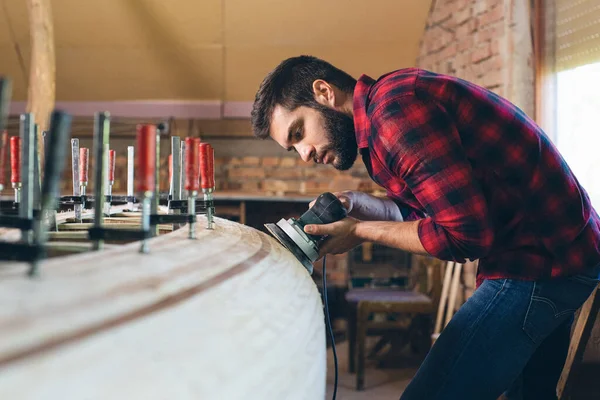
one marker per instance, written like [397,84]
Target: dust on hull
[229,315]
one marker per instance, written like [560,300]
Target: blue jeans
[510,337]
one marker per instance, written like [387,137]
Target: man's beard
[341,135]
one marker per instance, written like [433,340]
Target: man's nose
[305,153]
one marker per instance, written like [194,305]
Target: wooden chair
[420,306]
[447,303]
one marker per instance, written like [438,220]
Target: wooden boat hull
[229,315]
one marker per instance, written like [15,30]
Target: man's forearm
[399,235]
[372,208]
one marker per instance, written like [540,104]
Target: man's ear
[324,93]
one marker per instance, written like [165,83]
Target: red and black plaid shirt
[484,179]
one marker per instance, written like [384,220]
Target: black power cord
[329,327]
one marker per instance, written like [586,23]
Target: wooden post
[42,87]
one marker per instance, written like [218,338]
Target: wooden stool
[447,302]
[579,339]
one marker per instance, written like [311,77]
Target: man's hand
[341,236]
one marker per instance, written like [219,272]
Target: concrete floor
[380,384]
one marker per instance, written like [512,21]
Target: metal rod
[209,209]
[184,193]
[156,196]
[60,126]
[176,157]
[27,172]
[130,176]
[101,140]
[36,170]
[75,171]
[146,200]
[192,212]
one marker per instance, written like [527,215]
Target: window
[569,85]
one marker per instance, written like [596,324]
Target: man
[468,176]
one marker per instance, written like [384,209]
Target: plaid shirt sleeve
[419,143]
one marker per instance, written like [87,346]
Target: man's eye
[298,135]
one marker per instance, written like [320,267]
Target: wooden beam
[42,70]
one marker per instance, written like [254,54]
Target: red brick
[270,161]
[492,15]
[439,38]
[449,52]
[494,3]
[246,173]
[493,63]
[315,173]
[316,187]
[467,28]
[251,161]
[462,16]
[495,46]
[479,7]
[235,161]
[220,161]
[481,53]
[490,32]
[441,13]
[281,187]
[460,4]
[250,186]
[466,43]
[287,162]
[284,173]
[493,78]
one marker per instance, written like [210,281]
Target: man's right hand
[367,207]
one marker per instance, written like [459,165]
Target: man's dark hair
[290,85]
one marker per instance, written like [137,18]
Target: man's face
[323,134]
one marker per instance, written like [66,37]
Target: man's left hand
[342,236]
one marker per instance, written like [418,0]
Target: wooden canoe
[229,315]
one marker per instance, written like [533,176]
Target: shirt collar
[362,125]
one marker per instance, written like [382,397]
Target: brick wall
[487,42]
[288,175]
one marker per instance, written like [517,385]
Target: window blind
[577,33]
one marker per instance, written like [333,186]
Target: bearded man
[468,176]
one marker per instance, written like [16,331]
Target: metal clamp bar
[101,234]
[11,251]
[27,172]
[101,147]
[172,219]
[130,177]
[75,171]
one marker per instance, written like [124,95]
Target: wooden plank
[226,315]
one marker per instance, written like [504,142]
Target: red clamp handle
[84,156]
[15,159]
[3,155]
[111,165]
[207,166]
[192,169]
[146,157]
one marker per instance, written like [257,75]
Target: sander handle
[326,210]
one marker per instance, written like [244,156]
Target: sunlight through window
[578,125]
